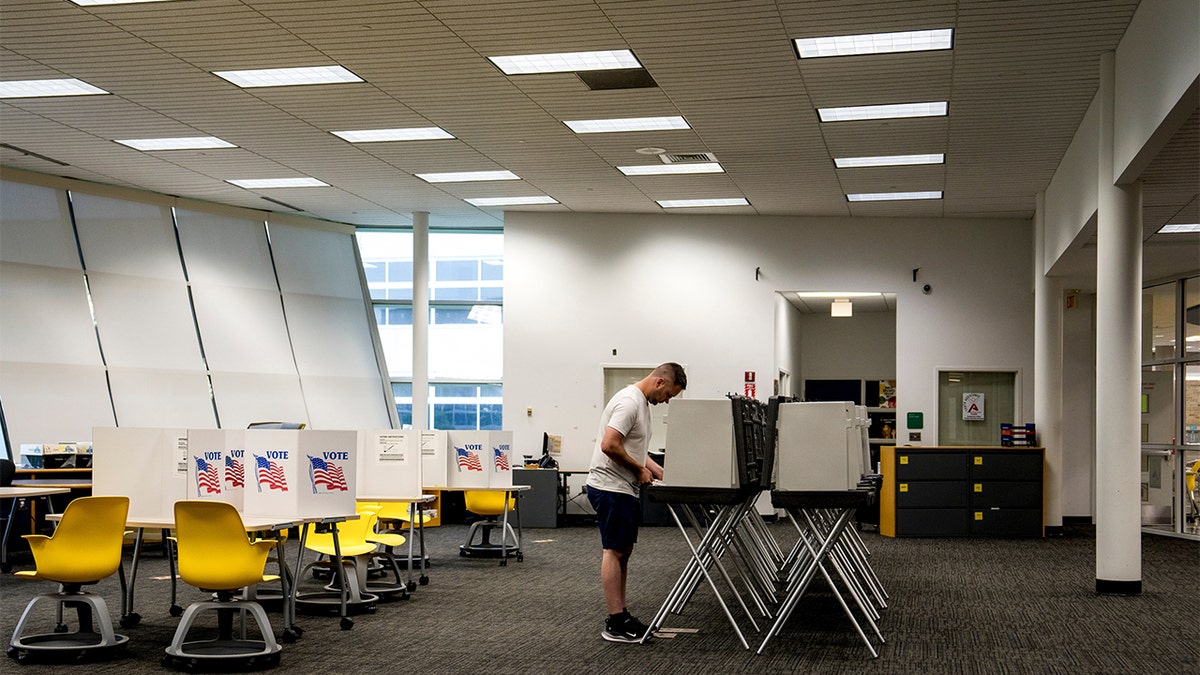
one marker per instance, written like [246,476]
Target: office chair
[383,558]
[85,548]
[216,555]
[355,551]
[395,517]
[1193,493]
[490,504]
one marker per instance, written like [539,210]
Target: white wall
[683,288]
[788,342]
[1079,407]
[861,346]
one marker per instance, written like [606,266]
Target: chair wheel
[289,635]
[520,557]
[424,581]
[504,562]
[347,623]
[11,652]
[411,586]
[61,628]
[130,620]
[462,554]
[176,611]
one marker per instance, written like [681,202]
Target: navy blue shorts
[618,516]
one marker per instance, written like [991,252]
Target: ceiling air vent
[686,157]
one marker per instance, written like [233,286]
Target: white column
[1118,365]
[420,338]
[1048,371]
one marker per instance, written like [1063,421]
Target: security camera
[927,289]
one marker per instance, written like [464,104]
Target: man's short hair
[672,371]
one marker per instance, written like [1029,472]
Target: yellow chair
[216,555]
[1190,487]
[401,516]
[85,548]
[355,553]
[491,505]
[389,539]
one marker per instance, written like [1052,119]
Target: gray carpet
[956,605]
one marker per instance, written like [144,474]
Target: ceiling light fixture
[258,183]
[383,135]
[626,124]
[35,88]
[664,169]
[189,143]
[565,62]
[1180,228]
[892,196]
[875,43]
[467,176]
[511,201]
[841,307]
[287,77]
[836,294]
[883,112]
[690,203]
[887,160]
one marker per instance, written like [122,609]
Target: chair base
[226,650]
[485,548]
[86,641]
[488,551]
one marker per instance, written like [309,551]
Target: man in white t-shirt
[620,466]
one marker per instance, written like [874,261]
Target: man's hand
[644,476]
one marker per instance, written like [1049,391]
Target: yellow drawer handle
[904,459]
[979,515]
[904,487]
[978,461]
[979,487]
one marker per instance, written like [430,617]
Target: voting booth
[389,464]
[433,459]
[820,446]
[148,465]
[701,450]
[217,465]
[300,472]
[479,459]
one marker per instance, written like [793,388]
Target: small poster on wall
[887,393]
[972,407]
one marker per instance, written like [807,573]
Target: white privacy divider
[300,472]
[700,450]
[217,465]
[389,463]
[148,465]
[820,447]
[433,459]
[479,459]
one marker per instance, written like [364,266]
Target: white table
[19,494]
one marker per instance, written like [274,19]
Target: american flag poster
[467,460]
[235,473]
[501,459]
[270,474]
[208,477]
[326,476]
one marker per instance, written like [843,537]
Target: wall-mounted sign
[972,407]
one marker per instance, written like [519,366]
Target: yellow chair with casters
[85,548]
[491,505]
[1193,494]
[382,560]
[216,555]
[394,518]
[355,553]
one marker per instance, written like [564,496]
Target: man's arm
[655,469]
[613,446]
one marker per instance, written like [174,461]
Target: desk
[21,493]
[564,494]
[49,479]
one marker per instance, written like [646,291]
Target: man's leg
[614,568]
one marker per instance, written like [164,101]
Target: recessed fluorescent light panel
[688,203]
[892,196]
[467,176]
[567,62]
[191,143]
[888,160]
[626,124]
[671,169]
[882,112]
[511,201]
[382,135]
[875,43]
[257,183]
[36,88]
[287,77]
[836,294]
[1180,229]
